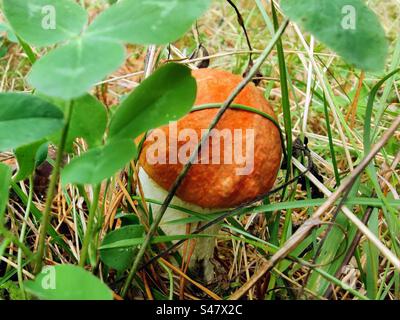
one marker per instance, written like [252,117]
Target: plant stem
[171,281]
[51,190]
[22,237]
[12,238]
[185,170]
[90,224]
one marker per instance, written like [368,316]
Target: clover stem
[89,229]
[22,237]
[51,190]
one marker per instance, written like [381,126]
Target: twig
[241,23]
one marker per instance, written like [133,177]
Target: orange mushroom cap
[218,185]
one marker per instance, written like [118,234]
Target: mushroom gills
[200,266]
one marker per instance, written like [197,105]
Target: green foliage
[10,291]
[69,71]
[31,19]
[372,263]
[67,282]
[165,96]
[29,157]
[147,21]
[361,42]
[62,78]
[127,219]
[100,163]
[133,242]
[5,179]
[25,119]
[88,120]
[121,258]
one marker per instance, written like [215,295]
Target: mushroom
[223,177]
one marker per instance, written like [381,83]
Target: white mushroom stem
[200,260]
